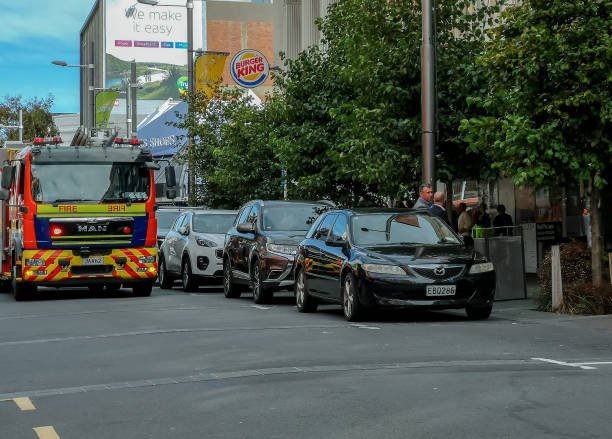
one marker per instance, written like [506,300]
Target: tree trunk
[596,238]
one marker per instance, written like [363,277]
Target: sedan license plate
[93,261]
[441,290]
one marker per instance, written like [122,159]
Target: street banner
[209,72]
[249,68]
[105,102]
[155,36]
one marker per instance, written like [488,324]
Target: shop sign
[249,68]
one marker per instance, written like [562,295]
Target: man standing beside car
[438,208]
[425,196]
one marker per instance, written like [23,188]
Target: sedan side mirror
[246,228]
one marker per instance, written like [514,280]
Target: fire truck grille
[84,231]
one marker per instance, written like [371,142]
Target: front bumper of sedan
[384,291]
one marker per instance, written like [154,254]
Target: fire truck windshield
[97,182]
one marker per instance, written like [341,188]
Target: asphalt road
[178,365]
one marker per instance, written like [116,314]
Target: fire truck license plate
[93,261]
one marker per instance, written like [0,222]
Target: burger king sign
[249,68]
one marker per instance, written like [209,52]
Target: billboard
[156,38]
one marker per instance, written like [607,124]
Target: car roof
[381,210]
[215,212]
[290,202]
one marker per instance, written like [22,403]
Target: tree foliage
[549,106]
[549,103]
[345,120]
[232,152]
[37,119]
[352,108]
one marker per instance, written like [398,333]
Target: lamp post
[91,122]
[428,91]
[190,88]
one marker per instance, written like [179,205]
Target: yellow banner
[209,72]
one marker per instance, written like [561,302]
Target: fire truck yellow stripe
[91,236]
[91,208]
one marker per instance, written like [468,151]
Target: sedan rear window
[405,229]
[291,217]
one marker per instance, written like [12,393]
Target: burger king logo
[249,68]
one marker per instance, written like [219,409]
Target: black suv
[260,247]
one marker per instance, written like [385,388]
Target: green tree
[351,115]
[549,103]
[234,159]
[37,119]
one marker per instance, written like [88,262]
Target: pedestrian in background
[438,208]
[464,223]
[425,196]
[484,220]
[502,222]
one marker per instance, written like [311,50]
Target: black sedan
[387,258]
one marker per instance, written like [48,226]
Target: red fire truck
[78,216]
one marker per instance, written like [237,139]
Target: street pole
[190,90]
[92,85]
[21,125]
[133,100]
[428,92]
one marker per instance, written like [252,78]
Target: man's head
[439,198]
[501,208]
[483,207]
[426,192]
[462,207]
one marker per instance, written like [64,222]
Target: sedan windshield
[406,229]
[287,217]
[90,182]
[213,223]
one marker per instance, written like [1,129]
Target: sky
[32,34]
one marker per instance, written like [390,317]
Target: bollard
[557,284]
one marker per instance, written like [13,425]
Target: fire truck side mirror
[8,175]
[5,194]
[170,194]
[170,177]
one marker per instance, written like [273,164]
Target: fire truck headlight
[35,262]
[146,259]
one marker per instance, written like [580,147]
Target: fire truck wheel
[142,290]
[113,287]
[21,290]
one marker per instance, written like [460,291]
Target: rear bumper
[50,267]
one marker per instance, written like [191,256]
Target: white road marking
[594,362]
[360,326]
[563,363]
[261,307]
